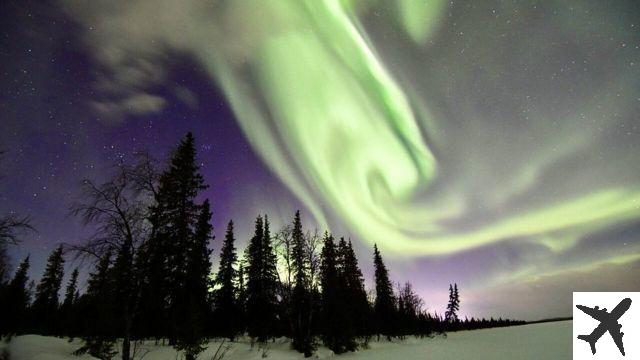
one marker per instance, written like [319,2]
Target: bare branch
[11,226]
[116,212]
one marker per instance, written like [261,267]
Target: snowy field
[538,341]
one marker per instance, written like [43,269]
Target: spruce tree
[451,315]
[301,299]
[178,212]
[269,280]
[72,288]
[67,310]
[261,283]
[124,290]
[151,319]
[384,306]
[97,312]
[226,308]
[332,313]
[358,305]
[45,306]
[194,295]
[352,294]
[241,296]
[16,301]
[456,297]
[255,318]
[174,250]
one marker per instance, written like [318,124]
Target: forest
[151,276]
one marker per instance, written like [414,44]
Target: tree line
[152,277]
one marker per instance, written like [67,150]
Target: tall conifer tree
[255,262]
[67,311]
[226,307]
[97,320]
[193,296]
[357,303]
[16,301]
[175,218]
[451,315]
[301,297]
[333,314]
[261,283]
[384,306]
[45,306]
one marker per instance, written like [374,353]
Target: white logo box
[585,325]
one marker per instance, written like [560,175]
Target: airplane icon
[608,322]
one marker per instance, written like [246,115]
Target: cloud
[136,104]
[132,43]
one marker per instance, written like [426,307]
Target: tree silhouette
[45,306]
[225,303]
[261,283]
[451,316]
[194,295]
[67,311]
[356,297]
[384,306]
[301,297]
[15,301]
[96,312]
[118,217]
[175,218]
[331,306]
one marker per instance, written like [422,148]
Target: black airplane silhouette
[608,322]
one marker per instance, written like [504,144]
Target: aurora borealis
[495,144]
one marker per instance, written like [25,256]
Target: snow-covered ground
[538,341]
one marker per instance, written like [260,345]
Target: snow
[538,341]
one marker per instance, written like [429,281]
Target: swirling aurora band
[355,135]
[342,127]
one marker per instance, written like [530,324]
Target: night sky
[492,144]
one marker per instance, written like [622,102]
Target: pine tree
[357,304]
[151,319]
[174,250]
[269,280]
[241,298]
[72,288]
[261,283]
[177,213]
[254,257]
[301,299]
[97,312]
[456,297]
[16,301]
[333,311]
[226,307]
[451,316]
[123,280]
[270,268]
[352,294]
[45,306]
[448,315]
[67,310]
[194,296]
[384,306]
